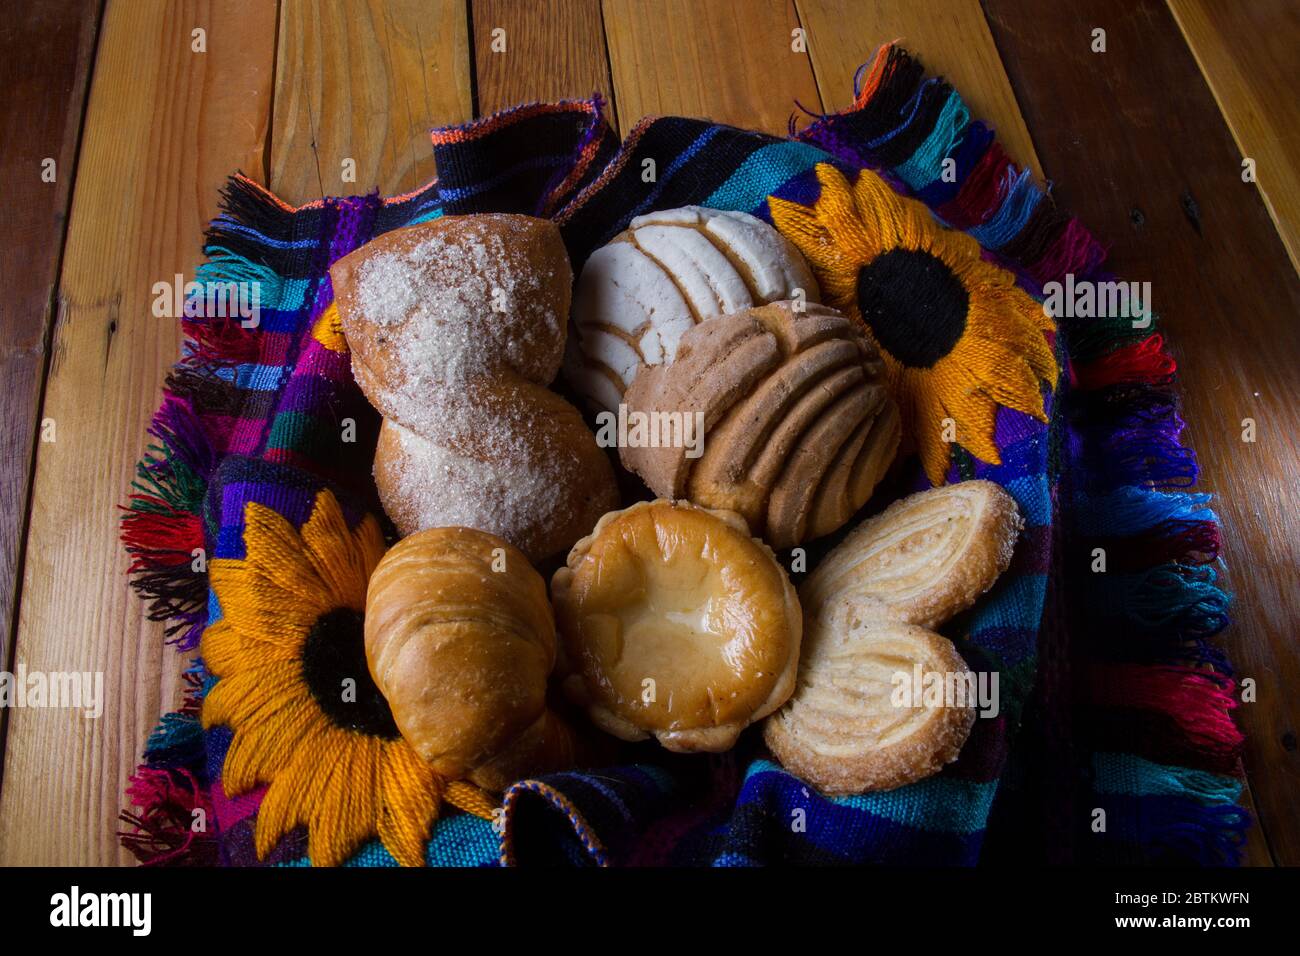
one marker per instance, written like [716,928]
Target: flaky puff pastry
[676,624]
[843,730]
[460,639]
[925,557]
[868,610]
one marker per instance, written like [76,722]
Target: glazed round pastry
[798,424]
[845,730]
[455,327]
[675,623]
[667,272]
[460,640]
[925,557]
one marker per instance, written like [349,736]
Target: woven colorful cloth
[255,523]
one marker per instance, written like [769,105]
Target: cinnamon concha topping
[798,425]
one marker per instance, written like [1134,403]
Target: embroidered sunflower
[295,690]
[957,336]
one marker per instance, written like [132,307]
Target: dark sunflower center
[334,666]
[913,304]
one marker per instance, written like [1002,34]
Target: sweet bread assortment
[675,623]
[460,640]
[456,326]
[669,271]
[924,559]
[798,425]
[671,619]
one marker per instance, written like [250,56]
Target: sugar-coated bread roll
[515,460]
[666,273]
[675,623]
[456,299]
[798,425]
[845,731]
[460,640]
[925,557]
[456,326]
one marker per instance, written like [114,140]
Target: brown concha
[798,425]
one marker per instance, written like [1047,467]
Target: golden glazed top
[675,618]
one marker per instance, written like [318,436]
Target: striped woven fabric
[1119,682]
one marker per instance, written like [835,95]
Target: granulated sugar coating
[456,327]
[447,304]
[509,493]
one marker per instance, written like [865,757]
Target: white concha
[667,272]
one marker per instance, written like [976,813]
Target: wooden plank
[733,63]
[552,55]
[951,38]
[45,56]
[1136,147]
[164,126]
[1247,52]
[365,80]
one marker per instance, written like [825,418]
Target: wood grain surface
[358,85]
[45,57]
[1247,53]
[734,63]
[953,41]
[560,56]
[164,126]
[1159,177]
[288,91]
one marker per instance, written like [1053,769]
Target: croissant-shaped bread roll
[460,640]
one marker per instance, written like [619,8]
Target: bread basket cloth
[1113,694]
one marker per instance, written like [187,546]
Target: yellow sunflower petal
[295,796]
[964,401]
[226,650]
[279,556]
[474,800]
[341,558]
[1002,375]
[410,793]
[890,220]
[341,823]
[927,426]
[264,746]
[236,697]
[257,607]
[328,330]
[829,234]
[1009,322]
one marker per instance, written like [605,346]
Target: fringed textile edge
[1157,684]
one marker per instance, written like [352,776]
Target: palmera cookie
[924,558]
[845,730]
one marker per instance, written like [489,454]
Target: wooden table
[143,117]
